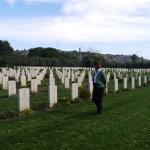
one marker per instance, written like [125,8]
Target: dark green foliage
[42,106]
[12,79]
[52,57]
[77,100]
[64,100]
[134,58]
[26,113]
[120,80]
[8,114]
[5,48]
[84,94]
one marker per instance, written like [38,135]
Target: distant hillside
[49,56]
[110,58]
[123,59]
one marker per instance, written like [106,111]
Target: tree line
[52,57]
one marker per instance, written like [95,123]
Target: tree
[5,48]
[134,58]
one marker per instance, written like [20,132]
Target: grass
[123,125]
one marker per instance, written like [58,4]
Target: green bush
[12,79]
[84,94]
[77,100]
[120,80]
[42,106]
[26,112]
[64,100]
[47,75]
[8,114]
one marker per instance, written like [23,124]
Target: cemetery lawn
[124,125]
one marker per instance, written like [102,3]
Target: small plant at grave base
[47,75]
[33,93]
[86,76]
[138,87]
[111,76]
[120,80]
[117,92]
[12,79]
[77,100]
[27,112]
[105,93]
[64,100]
[145,85]
[42,106]
[84,94]
[126,89]
[8,115]
[23,87]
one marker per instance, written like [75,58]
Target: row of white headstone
[75,75]
[116,82]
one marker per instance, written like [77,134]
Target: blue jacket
[100,80]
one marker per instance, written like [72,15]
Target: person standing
[99,85]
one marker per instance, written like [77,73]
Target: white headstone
[52,94]
[24,99]
[51,81]
[66,82]
[91,87]
[116,86]
[23,80]
[34,86]
[62,79]
[72,77]
[133,83]
[79,82]
[139,81]
[11,88]
[125,83]
[1,78]
[145,79]
[74,91]
[5,83]
[106,89]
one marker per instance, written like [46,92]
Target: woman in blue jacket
[99,84]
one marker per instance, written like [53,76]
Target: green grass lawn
[123,125]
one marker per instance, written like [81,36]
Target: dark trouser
[97,97]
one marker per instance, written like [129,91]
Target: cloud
[10,2]
[91,21]
[41,1]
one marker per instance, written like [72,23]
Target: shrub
[111,76]
[117,92]
[8,114]
[26,112]
[126,89]
[12,79]
[47,75]
[144,85]
[84,94]
[42,106]
[77,100]
[64,100]
[120,80]
[86,76]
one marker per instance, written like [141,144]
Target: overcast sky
[111,26]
